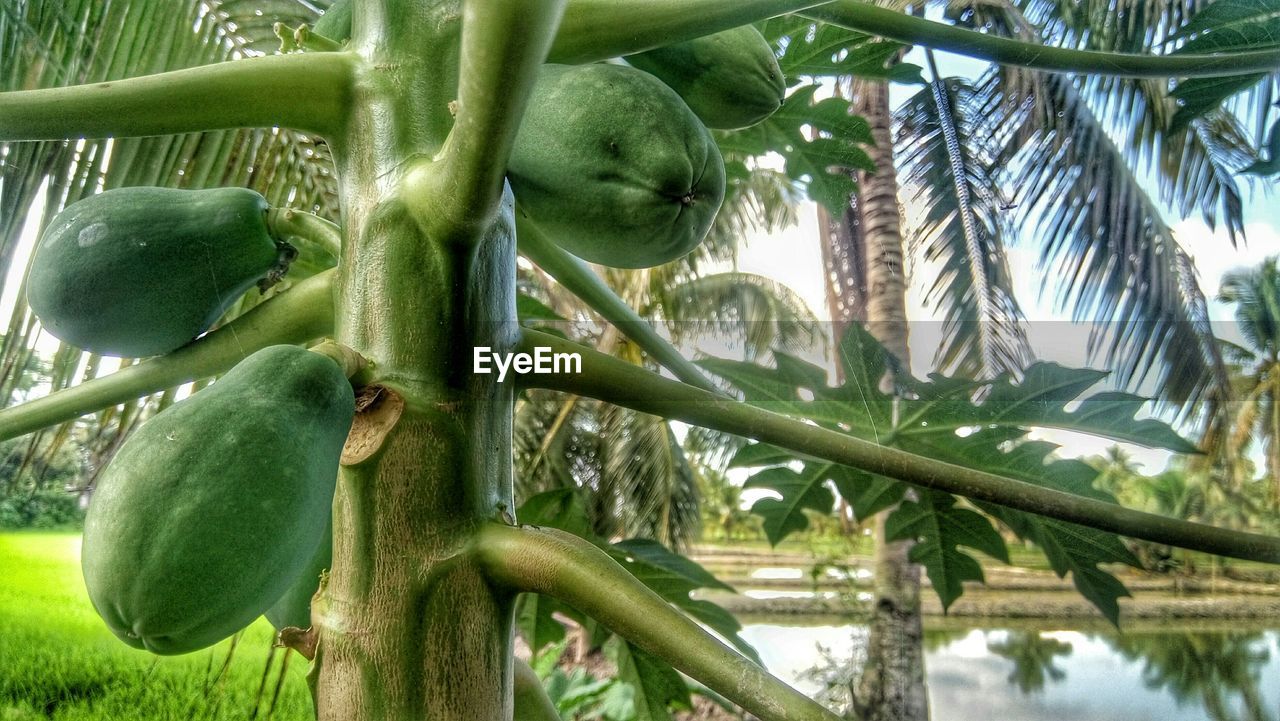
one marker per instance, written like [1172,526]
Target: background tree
[366,311]
[1256,294]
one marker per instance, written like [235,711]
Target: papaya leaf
[657,686]
[531,311]
[1222,26]
[1069,548]
[866,493]
[1039,399]
[806,490]
[760,454]
[863,361]
[674,578]
[995,417]
[819,142]
[1271,164]
[1231,25]
[799,491]
[760,386]
[681,570]
[939,527]
[812,49]
[561,508]
[1197,97]
[1078,550]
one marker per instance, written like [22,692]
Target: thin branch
[614,381]
[531,700]
[309,92]
[565,567]
[600,29]
[893,25]
[300,314]
[574,274]
[285,222]
[503,45]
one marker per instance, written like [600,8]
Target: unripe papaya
[612,166]
[142,271]
[730,79]
[294,607]
[335,24]
[215,507]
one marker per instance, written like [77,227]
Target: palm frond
[1104,239]
[755,311]
[1130,26]
[962,230]
[1193,164]
[1255,292]
[654,488]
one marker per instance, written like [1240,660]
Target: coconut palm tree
[961,143]
[1256,294]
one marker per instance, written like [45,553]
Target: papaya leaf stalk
[575,275]
[615,381]
[503,44]
[593,30]
[307,92]
[893,25]
[568,568]
[311,228]
[300,314]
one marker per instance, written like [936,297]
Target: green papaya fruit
[730,79]
[141,271]
[294,607]
[213,508]
[335,24]
[612,166]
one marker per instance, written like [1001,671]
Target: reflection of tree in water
[1212,668]
[939,638]
[835,673]
[1033,658]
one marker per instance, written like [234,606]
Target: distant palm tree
[637,477]
[1256,295]
[1081,198]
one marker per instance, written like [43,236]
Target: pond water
[1019,673]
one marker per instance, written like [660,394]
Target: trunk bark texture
[866,282]
[408,626]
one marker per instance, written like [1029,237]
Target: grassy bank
[58,660]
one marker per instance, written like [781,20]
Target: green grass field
[59,661]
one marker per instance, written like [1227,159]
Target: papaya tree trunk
[872,288]
[408,627]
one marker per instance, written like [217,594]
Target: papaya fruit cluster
[615,163]
[215,510]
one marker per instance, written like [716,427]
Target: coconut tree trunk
[867,282]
